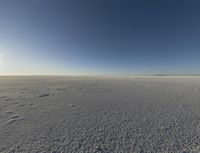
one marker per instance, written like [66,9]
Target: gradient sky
[84,37]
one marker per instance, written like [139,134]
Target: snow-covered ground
[99,114]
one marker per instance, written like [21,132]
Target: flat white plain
[99,114]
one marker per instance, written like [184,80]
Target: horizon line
[89,75]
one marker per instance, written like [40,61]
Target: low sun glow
[1,58]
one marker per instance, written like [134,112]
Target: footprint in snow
[44,95]
[10,121]
[14,118]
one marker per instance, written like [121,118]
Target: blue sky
[99,37]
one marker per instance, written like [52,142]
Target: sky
[99,37]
